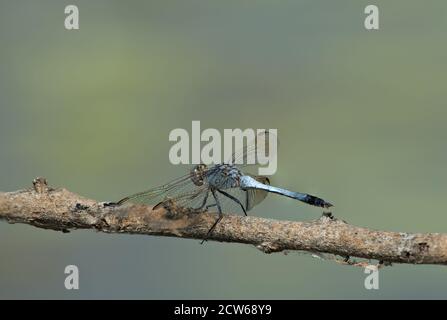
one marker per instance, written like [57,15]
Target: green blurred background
[360,114]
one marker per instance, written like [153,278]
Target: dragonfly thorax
[223,176]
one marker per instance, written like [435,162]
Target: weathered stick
[60,209]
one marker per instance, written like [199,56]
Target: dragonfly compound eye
[198,174]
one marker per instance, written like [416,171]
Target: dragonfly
[205,187]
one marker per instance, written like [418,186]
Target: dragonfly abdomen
[250,183]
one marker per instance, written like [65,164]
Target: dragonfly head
[198,174]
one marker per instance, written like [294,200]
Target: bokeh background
[361,117]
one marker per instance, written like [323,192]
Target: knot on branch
[269,247]
[40,185]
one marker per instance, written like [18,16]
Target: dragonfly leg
[210,206]
[226,194]
[204,202]
[218,219]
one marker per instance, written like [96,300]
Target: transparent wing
[181,190]
[257,151]
[195,198]
[255,196]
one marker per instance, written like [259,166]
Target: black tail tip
[318,202]
[327,205]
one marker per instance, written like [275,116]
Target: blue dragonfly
[204,186]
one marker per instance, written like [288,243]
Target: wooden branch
[62,210]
